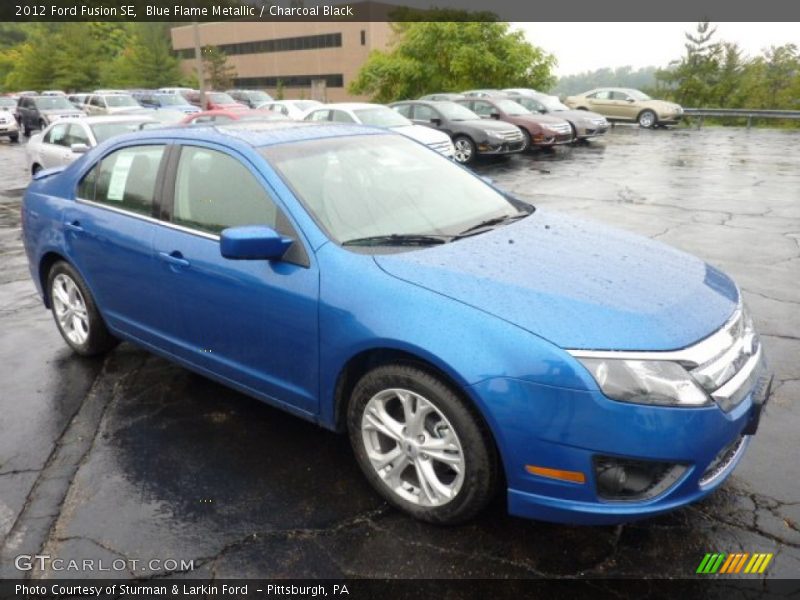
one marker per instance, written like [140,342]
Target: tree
[33,67]
[218,72]
[452,56]
[694,77]
[146,60]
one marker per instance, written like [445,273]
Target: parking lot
[132,457]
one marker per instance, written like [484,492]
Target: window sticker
[119,176]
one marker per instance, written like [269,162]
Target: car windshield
[53,103]
[385,185]
[637,95]
[456,112]
[511,108]
[119,100]
[171,100]
[552,103]
[103,131]
[220,98]
[380,116]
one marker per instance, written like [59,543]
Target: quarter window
[319,115]
[339,116]
[424,113]
[125,179]
[214,191]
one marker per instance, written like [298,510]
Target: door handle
[74,226]
[174,258]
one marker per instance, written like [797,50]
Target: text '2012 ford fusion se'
[461,337]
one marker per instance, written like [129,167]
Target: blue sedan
[462,338]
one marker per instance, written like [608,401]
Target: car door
[624,105]
[602,103]
[252,323]
[109,235]
[54,150]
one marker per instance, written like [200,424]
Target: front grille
[722,461]
[511,136]
[561,129]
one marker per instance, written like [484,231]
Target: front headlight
[657,382]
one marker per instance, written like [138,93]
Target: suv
[37,112]
[159,100]
[250,98]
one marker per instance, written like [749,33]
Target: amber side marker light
[571,476]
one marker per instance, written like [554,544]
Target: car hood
[53,112]
[577,115]
[488,125]
[128,110]
[425,135]
[577,284]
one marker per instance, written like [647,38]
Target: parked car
[53,93]
[623,104]
[162,100]
[250,98]
[538,130]
[215,101]
[378,115]
[471,135]
[442,97]
[461,337]
[294,109]
[104,92]
[8,124]
[176,90]
[220,116]
[8,104]
[78,100]
[37,112]
[585,124]
[163,117]
[520,91]
[483,94]
[113,104]
[64,141]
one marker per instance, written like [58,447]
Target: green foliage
[716,74]
[219,74]
[145,61]
[452,56]
[279,90]
[640,79]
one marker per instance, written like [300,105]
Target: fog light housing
[627,479]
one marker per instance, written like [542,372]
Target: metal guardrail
[748,113]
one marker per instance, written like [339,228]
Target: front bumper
[590,132]
[567,429]
[548,139]
[494,148]
[10,128]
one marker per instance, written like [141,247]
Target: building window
[290,81]
[306,42]
[363,37]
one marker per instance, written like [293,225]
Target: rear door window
[125,179]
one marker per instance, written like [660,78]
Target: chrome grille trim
[724,462]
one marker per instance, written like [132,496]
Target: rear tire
[420,445]
[75,312]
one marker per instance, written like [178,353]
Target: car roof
[259,133]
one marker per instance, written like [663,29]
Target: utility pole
[198,59]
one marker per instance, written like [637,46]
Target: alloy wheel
[413,447]
[70,309]
[463,150]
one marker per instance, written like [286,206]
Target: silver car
[112,104]
[64,141]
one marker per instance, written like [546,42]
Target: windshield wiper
[398,239]
[474,229]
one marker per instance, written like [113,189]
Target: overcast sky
[588,46]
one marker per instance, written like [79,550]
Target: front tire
[76,315]
[465,150]
[647,119]
[526,139]
[14,138]
[420,445]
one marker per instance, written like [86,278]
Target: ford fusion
[463,339]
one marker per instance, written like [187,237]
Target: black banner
[401,10]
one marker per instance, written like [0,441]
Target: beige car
[624,104]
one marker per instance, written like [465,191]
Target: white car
[8,126]
[112,104]
[378,115]
[64,141]
[294,109]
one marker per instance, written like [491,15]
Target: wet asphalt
[131,457]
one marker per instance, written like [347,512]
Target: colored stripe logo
[729,564]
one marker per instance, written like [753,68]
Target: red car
[228,115]
[215,100]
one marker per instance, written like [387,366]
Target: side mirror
[495,115]
[79,148]
[253,242]
[631,100]
[436,121]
